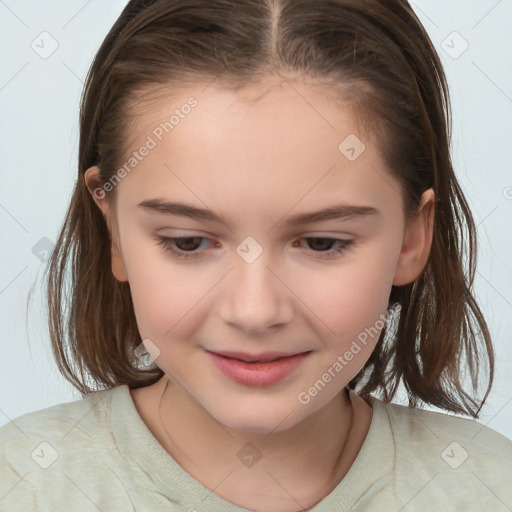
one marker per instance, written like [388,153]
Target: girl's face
[262,279]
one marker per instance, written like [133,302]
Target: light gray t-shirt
[96,454]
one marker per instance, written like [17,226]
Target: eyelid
[324,234]
[295,235]
[185,233]
[330,255]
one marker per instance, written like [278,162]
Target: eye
[187,247]
[324,242]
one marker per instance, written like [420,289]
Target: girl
[265,234]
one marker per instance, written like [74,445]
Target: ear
[93,182]
[417,242]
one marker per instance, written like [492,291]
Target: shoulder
[448,459]
[56,422]
[41,451]
[424,427]
[39,436]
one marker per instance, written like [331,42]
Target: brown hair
[379,57]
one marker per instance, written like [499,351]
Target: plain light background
[46,50]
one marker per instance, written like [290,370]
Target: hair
[379,58]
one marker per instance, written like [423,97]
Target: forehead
[273,101]
[281,141]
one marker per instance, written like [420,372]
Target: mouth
[257,370]
[266,357]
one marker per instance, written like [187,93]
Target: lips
[264,357]
[263,369]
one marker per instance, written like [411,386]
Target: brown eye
[323,246]
[182,247]
[188,243]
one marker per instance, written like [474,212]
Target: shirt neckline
[374,462]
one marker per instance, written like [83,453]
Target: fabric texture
[96,454]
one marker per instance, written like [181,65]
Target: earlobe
[93,182]
[417,242]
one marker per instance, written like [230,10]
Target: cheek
[342,299]
[169,299]
[163,300]
[348,296]
[349,303]
[161,291]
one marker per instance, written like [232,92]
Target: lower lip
[256,374]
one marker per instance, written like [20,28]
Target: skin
[259,156]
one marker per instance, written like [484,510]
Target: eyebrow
[335,212]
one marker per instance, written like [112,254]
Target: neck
[239,465]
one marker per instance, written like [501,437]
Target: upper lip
[263,356]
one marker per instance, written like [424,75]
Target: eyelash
[168,245]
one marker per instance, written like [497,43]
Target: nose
[255,297]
